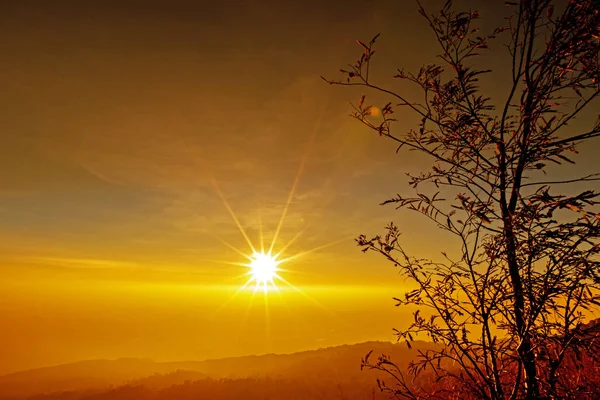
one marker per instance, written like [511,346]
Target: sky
[135,134]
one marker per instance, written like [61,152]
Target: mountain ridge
[150,360]
[335,362]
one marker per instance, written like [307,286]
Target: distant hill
[331,365]
[89,374]
[331,360]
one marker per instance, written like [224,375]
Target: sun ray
[272,282]
[212,260]
[248,282]
[287,203]
[260,232]
[297,289]
[231,213]
[232,247]
[293,271]
[305,252]
[297,235]
[297,178]
[288,244]
[267,319]
[283,302]
[247,313]
[287,307]
[237,277]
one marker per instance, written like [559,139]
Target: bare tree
[509,310]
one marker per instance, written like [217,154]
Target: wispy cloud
[80,262]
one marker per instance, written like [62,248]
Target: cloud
[86,263]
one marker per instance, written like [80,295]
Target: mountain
[332,365]
[89,374]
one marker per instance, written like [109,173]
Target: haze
[129,128]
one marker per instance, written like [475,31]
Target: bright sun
[263,268]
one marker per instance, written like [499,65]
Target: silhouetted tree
[509,309]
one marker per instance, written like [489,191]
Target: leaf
[374,39]
[366,359]
[363,45]
[565,159]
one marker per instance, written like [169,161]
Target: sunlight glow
[263,268]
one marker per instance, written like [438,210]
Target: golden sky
[125,126]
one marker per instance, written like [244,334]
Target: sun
[263,269]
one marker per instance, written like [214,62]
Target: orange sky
[115,121]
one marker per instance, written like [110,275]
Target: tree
[509,310]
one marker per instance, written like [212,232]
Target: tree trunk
[525,349]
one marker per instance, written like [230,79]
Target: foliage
[227,389]
[509,308]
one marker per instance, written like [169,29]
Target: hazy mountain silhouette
[89,374]
[328,367]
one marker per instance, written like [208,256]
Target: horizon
[314,350]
